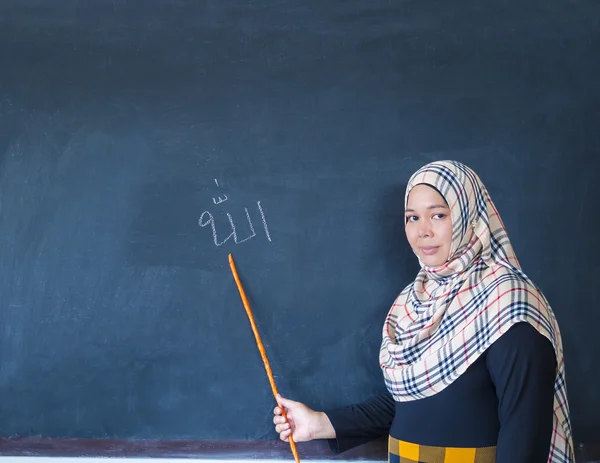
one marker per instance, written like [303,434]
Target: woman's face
[428,225]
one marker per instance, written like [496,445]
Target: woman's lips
[430,250]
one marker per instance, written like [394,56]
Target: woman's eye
[439,216]
[411,218]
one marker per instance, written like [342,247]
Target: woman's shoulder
[523,339]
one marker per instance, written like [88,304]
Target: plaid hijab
[444,320]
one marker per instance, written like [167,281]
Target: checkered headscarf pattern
[443,321]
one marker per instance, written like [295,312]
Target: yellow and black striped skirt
[405,452]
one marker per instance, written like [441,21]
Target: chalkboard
[141,144]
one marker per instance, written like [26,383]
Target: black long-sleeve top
[505,399]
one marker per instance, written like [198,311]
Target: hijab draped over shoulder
[444,320]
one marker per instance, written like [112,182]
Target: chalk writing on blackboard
[264,220]
[219,199]
[207,219]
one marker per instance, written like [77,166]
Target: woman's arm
[522,365]
[344,427]
[360,423]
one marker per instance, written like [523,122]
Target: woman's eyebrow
[433,206]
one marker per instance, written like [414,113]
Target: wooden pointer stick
[261,348]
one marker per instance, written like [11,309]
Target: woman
[471,353]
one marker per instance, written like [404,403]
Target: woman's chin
[432,261]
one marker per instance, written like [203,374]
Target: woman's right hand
[303,423]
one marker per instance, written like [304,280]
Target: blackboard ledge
[38,449]
[226,450]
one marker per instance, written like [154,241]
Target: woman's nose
[424,230]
